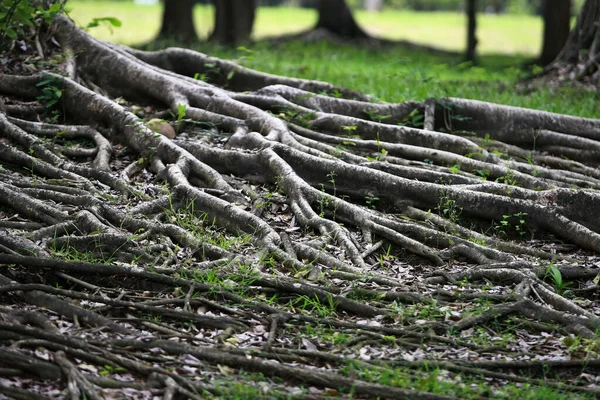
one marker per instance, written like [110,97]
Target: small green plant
[381,151]
[447,207]
[556,277]
[375,116]
[508,178]
[326,200]
[371,200]
[487,140]
[478,241]
[455,169]
[512,224]
[181,108]
[110,22]
[309,304]
[413,120]
[297,117]
[51,95]
[387,256]
[109,369]
[247,55]
[181,111]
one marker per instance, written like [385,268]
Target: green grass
[497,34]
[389,74]
[397,74]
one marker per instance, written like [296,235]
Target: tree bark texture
[556,15]
[584,39]
[336,17]
[178,21]
[234,20]
[580,57]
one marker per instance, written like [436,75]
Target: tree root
[306,239]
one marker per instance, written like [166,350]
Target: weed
[51,94]
[484,173]
[512,224]
[371,200]
[181,109]
[413,120]
[325,200]
[297,117]
[109,369]
[110,22]
[374,115]
[447,207]
[455,169]
[508,179]
[306,303]
[557,279]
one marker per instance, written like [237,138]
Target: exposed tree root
[310,244]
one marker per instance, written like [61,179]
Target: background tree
[178,21]
[581,53]
[234,20]
[471,10]
[557,24]
[336,17]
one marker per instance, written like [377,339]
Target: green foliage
[447,207]
[556,277]
[51,95]
[413,120]
[110,22]
[508,178]
[17,16]
[371,200]
[181,109]
[512,224]
[374,115]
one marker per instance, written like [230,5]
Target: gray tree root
[271,232]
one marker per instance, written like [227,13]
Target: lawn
[389,74]
[497,34]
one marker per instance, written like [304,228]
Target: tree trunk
[336,17]
[471,10]
[584,37]
[580,56]
[178,20]
[234,20]
[557,17]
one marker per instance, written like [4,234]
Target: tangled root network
[256,236]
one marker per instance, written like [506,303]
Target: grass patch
[398,74]
[390,74]
[497,33]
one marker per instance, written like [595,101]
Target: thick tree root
[314,243]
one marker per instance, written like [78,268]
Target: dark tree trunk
[580,57]
[584,40]
[178,20]
[336,17]
[471,10]
[557,20]
[234,20]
